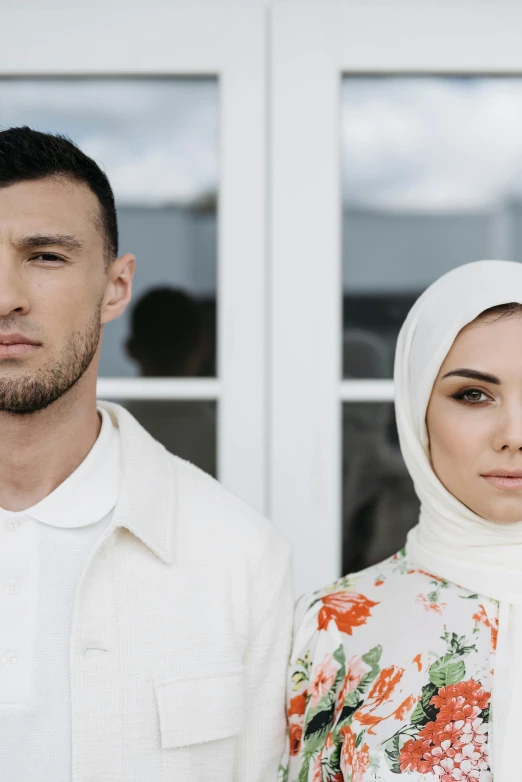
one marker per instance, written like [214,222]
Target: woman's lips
[512,482]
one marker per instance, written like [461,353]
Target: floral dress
[391,676]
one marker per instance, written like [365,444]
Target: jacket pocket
[194,711]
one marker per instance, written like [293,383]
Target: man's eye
[47,257]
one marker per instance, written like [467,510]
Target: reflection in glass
[186,429]
[379,503]
[431,179]
[157,140]
[167,335]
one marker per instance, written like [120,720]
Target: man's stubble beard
[24,394]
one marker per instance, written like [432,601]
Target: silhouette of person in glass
[379,504]
[167,339]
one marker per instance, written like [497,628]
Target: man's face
[54,289]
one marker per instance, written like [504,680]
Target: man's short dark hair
[27,154]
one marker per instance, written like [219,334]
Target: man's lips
[17,350]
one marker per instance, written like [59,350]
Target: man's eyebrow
[68,241]
[473,374]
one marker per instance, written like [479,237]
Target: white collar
[91,491]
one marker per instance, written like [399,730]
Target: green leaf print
[348,712]
[450,668]
[424,711]
[359,739]
[372,659]
[340,657]
[283,773]
[302,672]
[335,757]
[318,722]
[392,749]
[457,646]
[444,672]
[303,774]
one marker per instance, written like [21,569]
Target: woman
[413,667]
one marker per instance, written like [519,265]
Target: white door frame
[313,43]
[188,37]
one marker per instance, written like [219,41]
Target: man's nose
[13,296]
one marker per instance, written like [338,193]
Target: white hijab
[450,540]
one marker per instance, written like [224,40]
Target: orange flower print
[461,701]
[355,670]
[354,763]
[347,609]
[416,756]
[437,608]
[296,736]
[297,705]
[385,683]
[454,746]
[323,680]
[405,707]
[362,761]
[379,703]
[430,576]
[348,747]
[481,617]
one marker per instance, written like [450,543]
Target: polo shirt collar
[90,493]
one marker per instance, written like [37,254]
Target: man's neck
[39,451]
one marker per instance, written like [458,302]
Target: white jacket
[189,592]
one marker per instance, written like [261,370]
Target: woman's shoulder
[350,602]
[390,615]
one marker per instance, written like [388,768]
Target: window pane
[156,138]
[379,503]
[186,429]
[431,179]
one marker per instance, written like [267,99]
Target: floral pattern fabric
[391,677]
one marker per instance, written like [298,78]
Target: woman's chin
[506,510]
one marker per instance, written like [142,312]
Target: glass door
[171,104]
[397,155]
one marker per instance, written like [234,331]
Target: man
[144,612]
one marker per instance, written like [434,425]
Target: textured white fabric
[450,540]
[43,551]
[186,588]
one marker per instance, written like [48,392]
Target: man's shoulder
[206,508]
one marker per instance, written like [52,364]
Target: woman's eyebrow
[473,374]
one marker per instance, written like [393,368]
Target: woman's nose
[508,436]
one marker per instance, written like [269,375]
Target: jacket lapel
[147,502]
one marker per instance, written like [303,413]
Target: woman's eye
[472,396]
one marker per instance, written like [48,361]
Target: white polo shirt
[43,551]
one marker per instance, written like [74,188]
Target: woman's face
[474,418]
